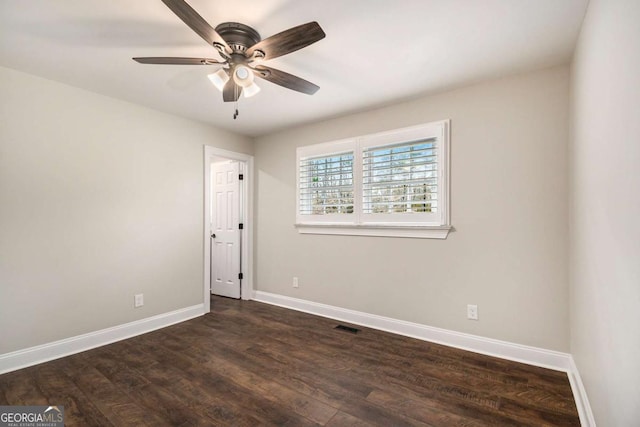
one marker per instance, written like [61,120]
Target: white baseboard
[55,350]
[580,396]
[491,347]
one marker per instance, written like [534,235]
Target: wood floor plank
[79,409]
[3,399]
[20,388]
[305,378]
[419,411]
[248,364]
[342,419]
[300,403]
[111,401]
[203,396]
[240,373]
[376,415]
[305,381]
[263,408]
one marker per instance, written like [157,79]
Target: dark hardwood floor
[249,364]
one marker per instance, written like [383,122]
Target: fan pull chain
[237,96]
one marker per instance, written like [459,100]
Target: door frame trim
[247,215]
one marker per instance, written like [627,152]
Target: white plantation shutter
[325,184]
[401,178]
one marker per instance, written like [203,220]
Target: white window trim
[360,224]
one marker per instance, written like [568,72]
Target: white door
[225,237]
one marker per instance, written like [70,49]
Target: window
[387,184]
[326,185]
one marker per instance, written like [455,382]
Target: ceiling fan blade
[196,22]
[231,91]
[285,79]
[176,61]
[288,41]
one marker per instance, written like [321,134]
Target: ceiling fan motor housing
[238,36]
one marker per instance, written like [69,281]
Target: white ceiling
[377,52]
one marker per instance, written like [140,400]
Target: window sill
[415,232]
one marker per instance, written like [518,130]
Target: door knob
[213,236]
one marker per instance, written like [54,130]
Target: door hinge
[240,276]
[241,226]
[241,177]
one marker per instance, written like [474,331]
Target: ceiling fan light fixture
[243,76]
[219,79]
[250,90]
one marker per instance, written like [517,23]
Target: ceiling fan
[243,51]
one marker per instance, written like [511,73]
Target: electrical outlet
[472,312]
[295,282]
[138,300]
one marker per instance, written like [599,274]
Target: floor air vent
[347,329]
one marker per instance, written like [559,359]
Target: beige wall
[509,208]
[99,199]
[605,210]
